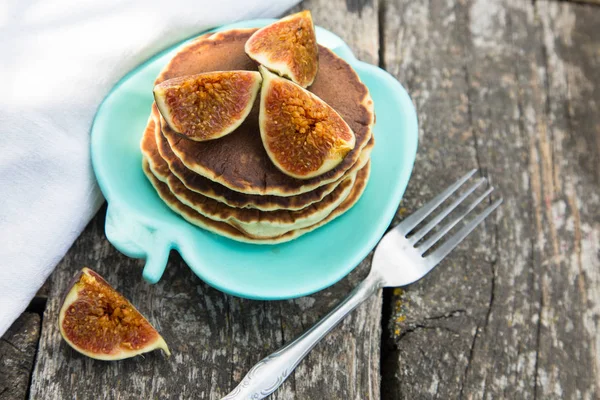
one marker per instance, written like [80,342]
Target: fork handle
[269,373]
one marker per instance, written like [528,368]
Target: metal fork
[398,261]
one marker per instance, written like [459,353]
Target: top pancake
[239,160]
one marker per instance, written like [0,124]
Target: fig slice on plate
[207,106]
[287,47]
[303,136]
[100,323]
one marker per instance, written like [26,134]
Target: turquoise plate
[141,226]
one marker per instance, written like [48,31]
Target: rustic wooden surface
[512,87]
[509,86]
[17,351]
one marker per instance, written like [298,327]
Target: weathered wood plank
[216,338]
[568,204]
[528,327]
[585,1]
[17,352]
[432,321]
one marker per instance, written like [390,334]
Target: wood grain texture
[513,88]
[17,352]
[596,2]
[433,321]
[216,338]
[355,21]
[508,86]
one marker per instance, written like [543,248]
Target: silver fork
[398,261]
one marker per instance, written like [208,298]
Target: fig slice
[207,106]
[100,323]
[287,47]
[303,136]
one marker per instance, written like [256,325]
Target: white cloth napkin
[58,59]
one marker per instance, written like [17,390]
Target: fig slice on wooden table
[303,136]
[101,323]
[207,106]
[287,47]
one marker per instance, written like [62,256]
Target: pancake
[228,231]
[239,160]
[253,222]
[198,183]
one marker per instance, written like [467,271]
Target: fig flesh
[207,106]
[303,136]
[100,323]
[287,47]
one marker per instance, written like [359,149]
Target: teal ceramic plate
[141,226]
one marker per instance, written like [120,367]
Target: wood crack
[437,387]
[11,345]
[493,278]
[35,358]
[485,388]
[448,315]
[382,9]
[544,55]
[537,347]
[469,362]
[232,381]
[282,330]
[37,305]
[357,6]
[470,118]
[479,329]
[417,327]
[468,85]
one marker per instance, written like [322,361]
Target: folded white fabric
[58,59]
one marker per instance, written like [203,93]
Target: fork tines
[408,225]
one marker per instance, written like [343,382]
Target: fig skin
[207,106]
[75,296]
[287,47]
[303,136]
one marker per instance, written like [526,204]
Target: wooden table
[511,87]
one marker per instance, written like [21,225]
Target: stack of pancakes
[229,186]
